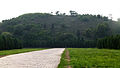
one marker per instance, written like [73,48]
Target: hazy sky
[14,8]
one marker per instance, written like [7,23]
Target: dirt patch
[68,58]
[2,56]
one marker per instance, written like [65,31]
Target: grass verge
[94,58]
[16,51]
[63,61]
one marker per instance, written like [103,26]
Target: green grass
[63,62]
[16,51]
[92,58]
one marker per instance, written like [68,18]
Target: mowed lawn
[16,51]
[91,58]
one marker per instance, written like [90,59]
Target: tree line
[111,42]
[45,30]
[7,41]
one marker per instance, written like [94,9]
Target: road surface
[49,58]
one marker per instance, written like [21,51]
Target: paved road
[49,58]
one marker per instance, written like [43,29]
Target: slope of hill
[41,29]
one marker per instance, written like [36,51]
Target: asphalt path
[49,58]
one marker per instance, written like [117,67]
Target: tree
[52,26]
[57,12]
[89,33]
[78,34]
[73,13]
[67,39]
[7,41]
[99,16]
[111,42]
[102,30]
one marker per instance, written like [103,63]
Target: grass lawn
[92,58]
[16,51]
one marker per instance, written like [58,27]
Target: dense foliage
[7,41]
[60,30]
[112,42]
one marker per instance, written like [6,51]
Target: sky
[14,8]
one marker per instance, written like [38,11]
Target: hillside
[48,21]
[35,29]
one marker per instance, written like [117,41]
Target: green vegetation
[63,61]
[44,30]
[111,42]
[92,58]
[16,51]
[7,41]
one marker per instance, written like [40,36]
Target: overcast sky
[14,8]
